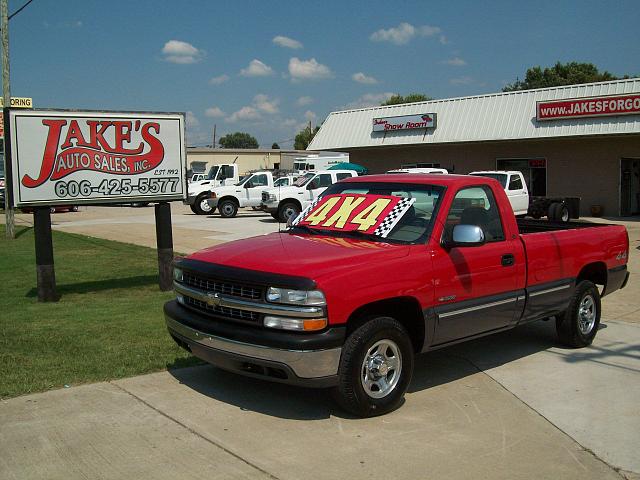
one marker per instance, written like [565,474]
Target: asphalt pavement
[513,405]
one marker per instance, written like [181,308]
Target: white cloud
[455,62]
[265,104]
[177,51]
[214,112]
[256,69]
[369,100]
[403,33]
[443,40]
[289,122]
[191,120]
[362,78]
[286,42]
[308,70]
[245,113]
[461,81]
[220,79]
[302,101]
[309,115]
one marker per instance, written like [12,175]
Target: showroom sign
[588,107]
[405,122]
[62,157]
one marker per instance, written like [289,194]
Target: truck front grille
[265,197]
[225,288]
[233,313]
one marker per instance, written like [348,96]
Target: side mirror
[466,236]
[248,185]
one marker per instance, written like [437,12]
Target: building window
[534,171]
[421,165]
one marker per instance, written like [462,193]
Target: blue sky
[267,68]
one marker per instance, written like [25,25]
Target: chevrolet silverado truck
[246,193]
[198,192]
[382,268]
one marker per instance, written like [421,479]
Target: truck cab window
[515,183]
[324,180]
[476,206]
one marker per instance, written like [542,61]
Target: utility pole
[4,24]
[214,136]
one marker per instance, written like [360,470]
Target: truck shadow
[432,369]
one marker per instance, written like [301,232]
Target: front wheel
[578,325]
[201,206]
[375,368]
[228,208]
[288,211]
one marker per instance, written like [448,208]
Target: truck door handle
[508,260]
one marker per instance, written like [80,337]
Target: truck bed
[526,225]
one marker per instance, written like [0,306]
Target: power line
[20,9]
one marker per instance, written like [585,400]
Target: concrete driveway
[513,405]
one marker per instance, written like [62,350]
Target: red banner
[589,107]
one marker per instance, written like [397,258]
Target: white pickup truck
[198,191]
[557,209]
[287,202]
[246,193]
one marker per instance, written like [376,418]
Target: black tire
[578,325]
[193,209]
[351,393]
[274,215]
[200,206]
[563,213]
[287,210]
[228,208]
[552,212]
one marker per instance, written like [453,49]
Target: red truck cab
[327,304]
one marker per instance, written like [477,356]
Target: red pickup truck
[382,268]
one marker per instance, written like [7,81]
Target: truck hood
[226,190]
[283,192]
[311,256]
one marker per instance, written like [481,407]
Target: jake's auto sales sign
[63,157]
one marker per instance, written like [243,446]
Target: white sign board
[63,157]
[405,122]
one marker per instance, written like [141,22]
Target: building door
[534,171]
[629,186]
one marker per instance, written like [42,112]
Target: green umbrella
[350,166]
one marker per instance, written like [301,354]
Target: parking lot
[512,405]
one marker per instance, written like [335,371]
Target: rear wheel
[287,211]
[274,215]
[228,208]
[578,325]
[201,206]
[375,368]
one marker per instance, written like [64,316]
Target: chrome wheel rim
[381,369]
[565,215]
[204,206]
[227,209]
[587,315]
[290,212]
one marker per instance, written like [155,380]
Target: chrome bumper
[306,364]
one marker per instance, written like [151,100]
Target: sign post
[93,158]
[164,242]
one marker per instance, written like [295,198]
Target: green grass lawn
[108,323]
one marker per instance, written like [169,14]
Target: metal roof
[497,116]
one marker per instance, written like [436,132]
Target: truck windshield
[303,180]
[413,227]
[213,172]
[500,177]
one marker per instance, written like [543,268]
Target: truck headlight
[295,297]
[272,198]
[299,324]
[177,274]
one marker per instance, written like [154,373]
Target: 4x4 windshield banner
[370,214]
[64,157]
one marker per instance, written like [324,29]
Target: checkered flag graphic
[304,213]
[393,217]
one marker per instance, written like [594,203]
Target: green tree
[560,74]
[238,140]
[411,98]
[304,137]
[275,146]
